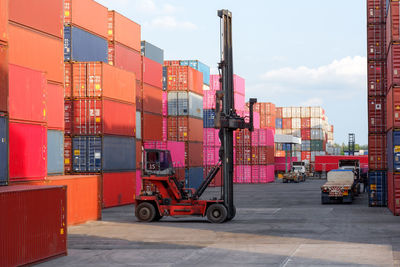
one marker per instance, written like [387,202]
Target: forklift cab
[157,162]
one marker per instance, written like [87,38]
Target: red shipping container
[152,126]
[152,99]
[67,80]
[184,78]
[138,154]
[125,58]
[68,120]
[172,63]
[255,155]
[185,129]
[306,134]
[44,53]
[393,65]
[287,123]
[278,113]
[27,94]
[375,41]
[153,73]
[28,151]
[33,228]
[242,155]
[393,108]
[87,14]
[3,77]
[93,116]
[392,23]
[394,193]
[180,174]
[375,11]
[139,95]
[327,163]
[118,188]
[193,154]
[242,138]
[54,104]
[4,20]
[376,115]
[267,121]
[377,152]
[123,30]
[305,123]
[67,154]
[306,155]
[43,15]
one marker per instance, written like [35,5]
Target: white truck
[340,186]
[297,173]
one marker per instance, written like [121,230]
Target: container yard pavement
[276,225]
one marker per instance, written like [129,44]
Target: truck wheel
[228,218]
[145,212]
[217,213]
[284,181]
[157,217]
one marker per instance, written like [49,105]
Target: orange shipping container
[152,127]
[125,58]
[3,20]
[267,121]
[138,154]
[43,53]
[87,14]
[152,99]
[123,30]
[185,129]
[3,78]
[118,188]
[55,106]
[278,113]
[184,78]
[42,15]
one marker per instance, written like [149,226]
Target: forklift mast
[226,118]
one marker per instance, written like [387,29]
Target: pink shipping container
[262,137]
[262,174]
[208,99]
[210,155]
[138,182]
[177,150]
[155,145]
[165,129]
[242,174]
[165,103]
[280,163]
[238,84]
[256,117]
[210,137]
[240,102]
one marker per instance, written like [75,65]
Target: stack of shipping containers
[376,102]
[184,84]
[100,97]
[392,111]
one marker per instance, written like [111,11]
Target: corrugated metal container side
[27,94]
[377,152]
[316,145]
[138,154]
[68,117]
[152,72]
[118,118]
[208,118]
[4,150]
[87,14]
[184,78]
[55,107]
[393,65]
[119,153]
[28,145]
[123,30]
[375,44]
[152,99]
[138,125]
[4,20]
[185,129]
[377,191]
[197,65]
[86,153]
[152,126]
[152,52]
[164,79]
[67,154]
[24,239]
[393,108]
[177,150]
[393,150]
[209,100]
[55,152]
[193,177]
[392,23]
[119,188]
[305,123]
[193,154]
[306,134]
[44,15]
[393,196]
[185,104]
[80,45]
[375,11]
[125,58]
[3,77]
[44,53]
[278,123]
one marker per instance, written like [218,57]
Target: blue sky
[291,53]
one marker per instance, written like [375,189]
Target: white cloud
[147,6]
[170,23]
[315,101]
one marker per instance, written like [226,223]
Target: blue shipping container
[197,65]
[80,45]
[393,150]
[278,123]
[119,153]
[55,152]
[208,118]
[86,153]
[164,78]
[152,52]
[193,177]
[3,150]
[377,188]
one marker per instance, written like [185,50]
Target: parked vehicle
[340,186]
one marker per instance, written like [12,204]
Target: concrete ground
[276,225]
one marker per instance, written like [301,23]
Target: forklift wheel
[228,218]
[145,212]
[217,213]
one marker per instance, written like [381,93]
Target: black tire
[228,218]
[157,217]
[217,213]
[145,212]
[284,181]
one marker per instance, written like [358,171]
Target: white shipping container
[296,123]
[287,112]
[278,131]
[206,87]
[317,134]
[287,131]
[305,112]
[185,104]
[316,123]
[296,132]
[316,112]
[138,125]
[296,112]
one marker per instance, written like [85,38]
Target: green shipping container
[317,145]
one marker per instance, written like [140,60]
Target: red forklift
[162,194]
